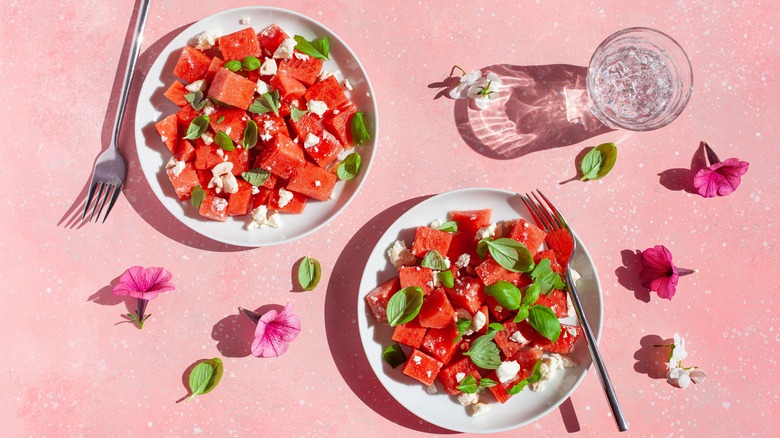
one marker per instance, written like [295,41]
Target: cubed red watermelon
[498,312]
[436,310]
[214,208]
[240,44]
[467,293]
[214,66]
[175,93]
[411,333]
[422,367]
[509,343]
[231,121]
[206,156]
[470,221]
[451,375]
[183,118]
[565,342]
[185,151]
[528,234]
[328,91]
[281,156]
[289,88]
[326,151]
[416,276]
[295,205]
[232,89]
[312,181]
[184,182]
[440,342]
[429,239]
[562,243]
[490,271]
[239,202]
[338,123]
[271,38]
[556,301]
[168,130]
[378,297]
[192,64]
[302,67]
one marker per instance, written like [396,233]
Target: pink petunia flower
[143,284]
[659,273]
[274,332]
[721,178]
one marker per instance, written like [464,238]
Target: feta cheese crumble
[548,368]
[198,85]
[488,231]
[311,140]
[206,39]
[176,166]
[219,204]
[285,196]
[463,261]
[507,371]
[317,107]
[417,360]
[285,50]
[261,219]
[431,389]
[436,224]
[223,178]
[245,20]
[268,68]
[400,255]
[347,84]
[518,337]
[466,399]
[261,87]
[302,56]
[208,108]
[479,409]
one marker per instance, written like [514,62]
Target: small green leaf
[463,324]
[536,374]
[482,247]
[522,313]
[544,321]
[350,167]
[250,63]
[484,352]
[468,385]
[216,363]
[531,294]
[199,378]
[223,140]
[511,254]
[233,65]
[404,305]
[487,383]
[446,278]
[546,278]
[196,100]
[196,196]
[250,135]
[358,129]
[319,48]
[597,163]
[197,127]
[394,355]
[257,176]
[449,227]
[495,327]
[506,293]
[309,273]
[434,260]
[296,114]
[268,102]
[221,119]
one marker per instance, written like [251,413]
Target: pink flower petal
[658,272]
[720,178]
[142,283]
[275,331]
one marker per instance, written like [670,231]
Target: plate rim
[140,141]
[366,332]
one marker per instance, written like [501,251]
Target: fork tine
[531,209]
[559,217]
[536,212]
[99,193]
[554,225]
[90,194]
[109,189]
[117,189]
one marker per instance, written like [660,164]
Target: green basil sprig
[484,352]
[350,167]
[404,305]
[530,297]
[508,253]
[434,260]
[196,100]
[196,196]
[506,293]
[257,176]
[545,322]
[319,48]
[469,384]
[394,355]
[250,63]
[197,127]
[536,374]
[598,162]
[358,129]
[223,140]
[449,227]
[446,278]
[462,325]
[546,278]
[249,140]
[268,102]
[233,65]
[309,273]
[297,114]
[205,376]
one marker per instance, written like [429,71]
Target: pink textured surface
[70,370]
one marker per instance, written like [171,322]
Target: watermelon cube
[428,239]
[528,234]
[526,359]
[468,294]
[463,243]
[168,130]
[562,243]
[440,342]
[216,63]
[233,122]
[422,367]
[271,38]
[308,124]
[328,91]
[496,310]
[565,342]
[556,301]
[214,208]
[416,276]
[377,299]
[436,310]
[326,151]
[262,197]
[410,334]
[185,151]
[289,88]
[206,156]
[240,159]
[509,342]
[338,123]
[184,181]
[294,205]
[312,181]
[451,375]
[232,89]
[175,93]
[490,271]
[304,70]
[192,64]
[238,45]
[238,203]
[183,118]
[550,255]
[281,156]
[470,221]
[268,125]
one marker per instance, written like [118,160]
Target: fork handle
[601,369]
[132,58]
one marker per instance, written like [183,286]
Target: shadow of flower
[680,179]
[234,333]
[651,360]
[628,274]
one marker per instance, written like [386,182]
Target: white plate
[441,409]
[153,106]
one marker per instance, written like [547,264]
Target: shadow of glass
[651,360]
[341,325]
[682,179]
[538,108]
[628,274]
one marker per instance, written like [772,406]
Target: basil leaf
[511,254]
[545,322]
[197,127]
[394,355]
[221,119]
[449,227]
[268,102]
[404,305]
[216,363]
[350,167]
[506,293]
[250,135]
[522,313]
[199,378]
[319,48]
[223,140]
[434,260]
[531,294]
[468,385]
[482,247]
[250,63]
[484,352]
[487,383]
[296,114]
[598,161]
[462,325]
[358,129]
[546,278]
[495,327]
[196,196]
[257,176]
[446,278]
[233,65]
[196,100]
[309,273]
[536,374]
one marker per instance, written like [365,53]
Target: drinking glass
[639,79]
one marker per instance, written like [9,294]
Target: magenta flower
[143,284]
[721,178]
[274,331]
[659,273]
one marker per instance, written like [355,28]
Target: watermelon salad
[476,305]
[262,128]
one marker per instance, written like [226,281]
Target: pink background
[70,370]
